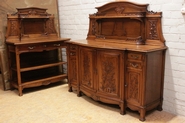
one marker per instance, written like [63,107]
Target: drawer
[135,65]
[30,47]
[51,45]
[39,47]
[72,53]
[134,56]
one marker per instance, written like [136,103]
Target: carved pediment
[32,12]
[126,22]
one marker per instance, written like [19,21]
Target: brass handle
[72,54]
[56,45]
[136,65]
[31,48]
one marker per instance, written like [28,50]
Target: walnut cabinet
[122,59]
[126,78]
[34,49]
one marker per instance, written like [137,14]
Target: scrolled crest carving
[119,9]
[152,12]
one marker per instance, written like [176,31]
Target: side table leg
[20,90]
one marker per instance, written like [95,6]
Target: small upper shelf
[126,22]
[30,23]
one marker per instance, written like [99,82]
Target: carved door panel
[73,70]
[110,73]
[73,65]
[87,68]
[133,86]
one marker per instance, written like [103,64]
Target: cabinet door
[73,65]
[133,87]
[87,68]
[110,74]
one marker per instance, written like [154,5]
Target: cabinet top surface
[118,46]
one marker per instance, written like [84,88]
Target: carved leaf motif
[74,70]
[133,90]
[153,30]
[50,26]
[86,67]
[108,83]
[93,27]
[14,28]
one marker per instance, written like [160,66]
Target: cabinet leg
[142,115]
[159,107]
[122,106]
[79,94]
[20,90]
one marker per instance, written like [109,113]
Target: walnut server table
[35,63]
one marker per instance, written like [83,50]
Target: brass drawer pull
[31,48]
[135,66]
[72,54]
[56,45]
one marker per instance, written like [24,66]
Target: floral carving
[14,28]
[93,27]
[86,71]
[133,90]
[74,70]
[50,26]
[108,83]
[153,29]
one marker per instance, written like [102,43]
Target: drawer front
[30,47]
[72,47]
[39,47]
[72,53]
[135,65]
[134,56]
[52,45]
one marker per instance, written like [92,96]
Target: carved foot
[79,94]
[142,115]
[122,111]
[142,118]
[20,90]
[70,89]
[159,108]
[20,93]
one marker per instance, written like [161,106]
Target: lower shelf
[38,82]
